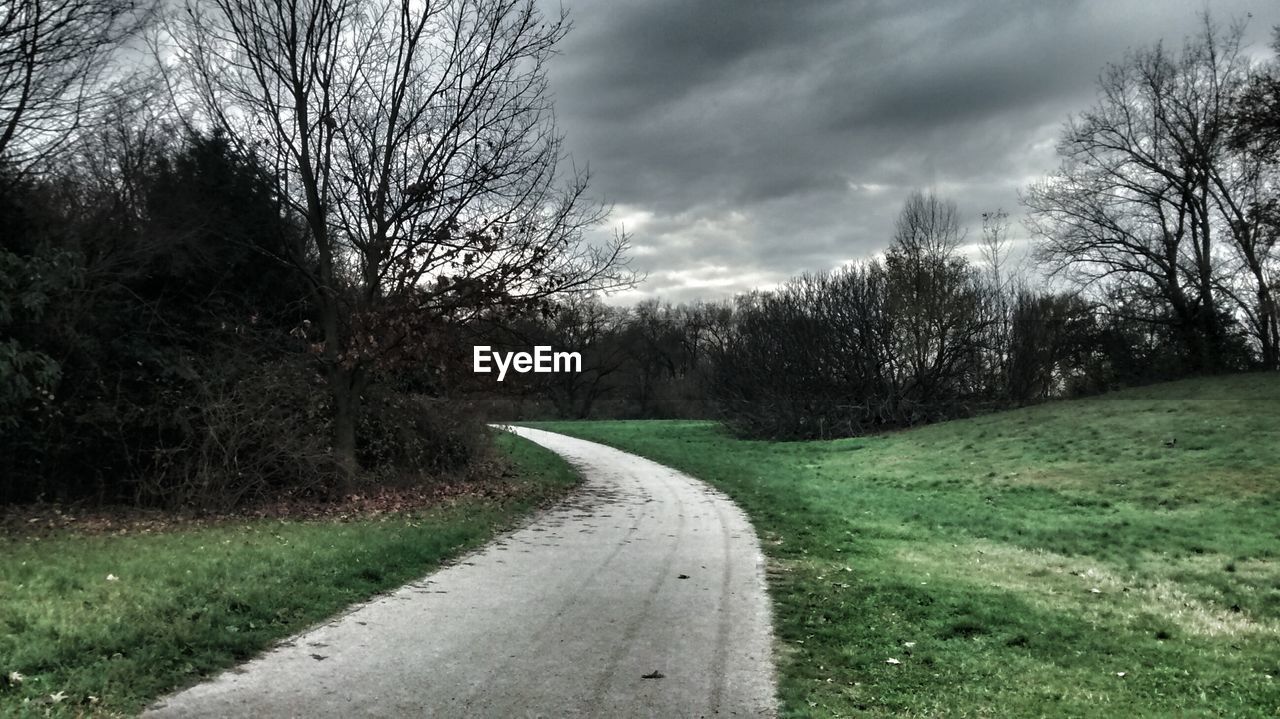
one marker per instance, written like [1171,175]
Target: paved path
[644,571]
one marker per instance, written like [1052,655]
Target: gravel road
[642,595]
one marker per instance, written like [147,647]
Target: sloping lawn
[103,624]
[1115,556]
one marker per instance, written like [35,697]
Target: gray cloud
[745,141]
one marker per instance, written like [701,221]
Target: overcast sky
[745,141]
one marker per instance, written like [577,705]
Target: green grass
[1015,564]
[189,602]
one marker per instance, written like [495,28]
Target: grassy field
[1116,556]
[104,624]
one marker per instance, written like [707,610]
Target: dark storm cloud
[744,141]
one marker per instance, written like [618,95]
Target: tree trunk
[346,386]
[1270,329]
[1212,345]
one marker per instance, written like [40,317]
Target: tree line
[923,334]
[1154,257]
[257,263]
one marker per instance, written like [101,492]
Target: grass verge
[103,624]
[1115,556]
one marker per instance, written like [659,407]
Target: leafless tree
[933,296]
[589,326]
[1151,201]
[1256,116]
[927,227]
[55,65]
[1255,206]
[416,140]
[995,245]
[657,345]
[994,248]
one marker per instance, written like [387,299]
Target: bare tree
[1151,203]
[416,140]
[596,330]
[54,63]
[1256,116]
[656,344]
[928,227]
[1254,205]
[933,296]
[994,247]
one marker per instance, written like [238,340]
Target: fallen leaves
[46,520]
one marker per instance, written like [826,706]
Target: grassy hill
[1112,556]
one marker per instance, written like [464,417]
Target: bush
[246,438]
[416,436]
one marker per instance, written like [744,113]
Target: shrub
[243,438]
[417,436]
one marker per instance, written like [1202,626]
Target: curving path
[641,596]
